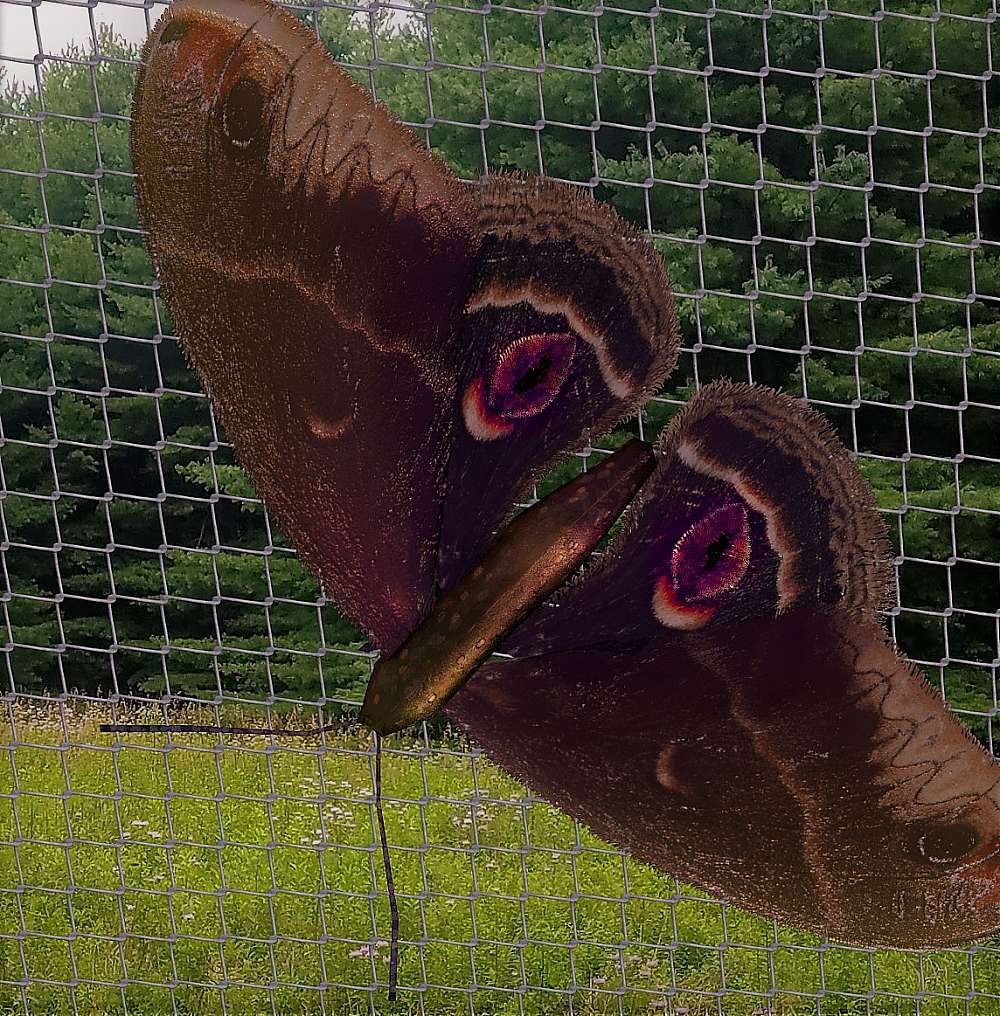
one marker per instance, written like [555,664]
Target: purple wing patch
[709,559]
[527,379]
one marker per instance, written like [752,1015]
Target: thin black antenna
[389,884]
[206,728]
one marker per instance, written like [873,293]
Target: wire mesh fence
[822,181]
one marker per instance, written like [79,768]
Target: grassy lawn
[245,878]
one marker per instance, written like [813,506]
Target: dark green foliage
[845,259]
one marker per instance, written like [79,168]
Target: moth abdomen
[530,558]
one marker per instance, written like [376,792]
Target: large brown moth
[396,355]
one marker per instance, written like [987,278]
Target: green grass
[288,831]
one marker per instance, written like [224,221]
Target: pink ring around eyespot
[729,521]
[519,358]
[678,602]
[491,411]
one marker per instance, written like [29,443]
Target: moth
[396,355]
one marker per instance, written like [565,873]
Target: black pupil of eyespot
[716,550]
[534,375]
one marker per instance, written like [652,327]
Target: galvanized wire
[51,725]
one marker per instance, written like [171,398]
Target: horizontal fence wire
[823,181]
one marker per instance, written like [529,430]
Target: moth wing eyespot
[526,379]
[713,554]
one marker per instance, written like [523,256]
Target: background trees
[830,232]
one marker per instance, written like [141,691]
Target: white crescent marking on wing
[492,296]
[787,590]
